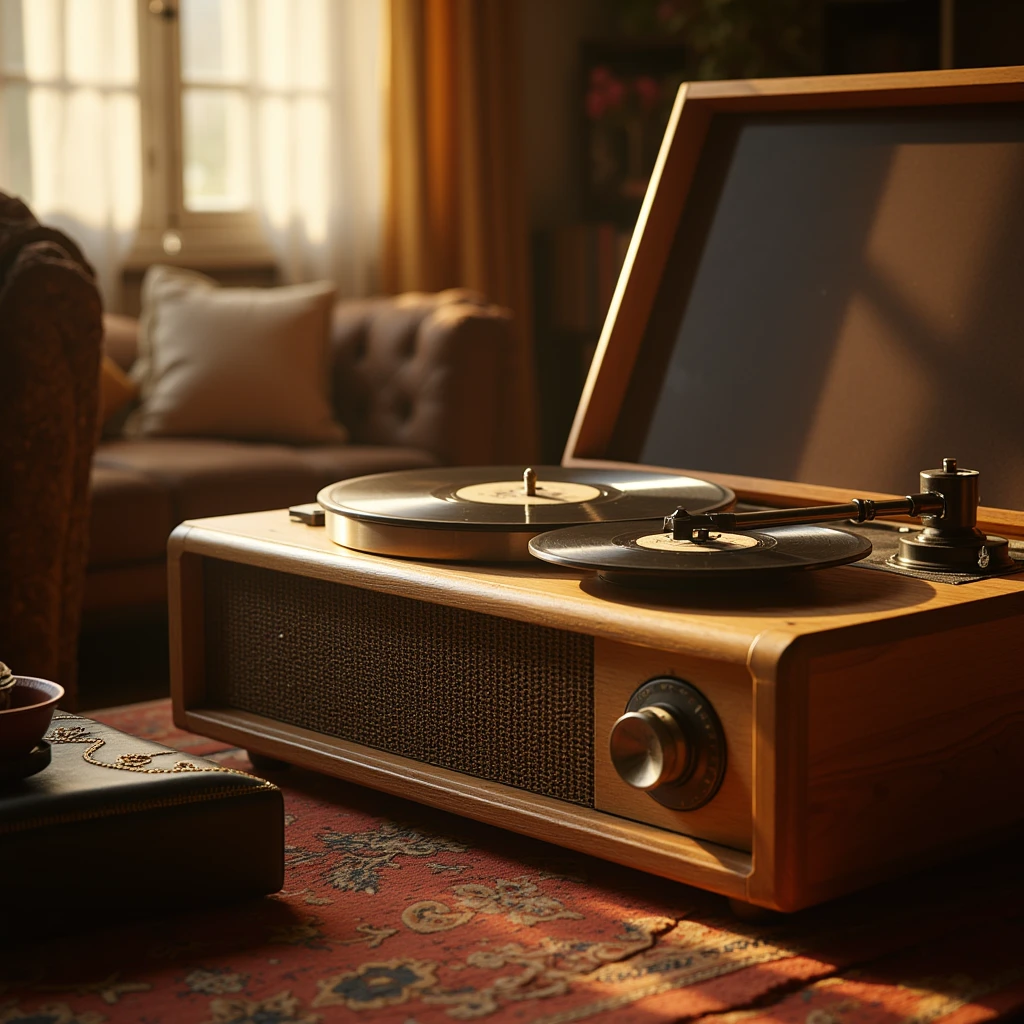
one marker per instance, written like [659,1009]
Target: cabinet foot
[751,912]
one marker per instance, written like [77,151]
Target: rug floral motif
[397,914]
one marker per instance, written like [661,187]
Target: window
[212,133]
[199,98]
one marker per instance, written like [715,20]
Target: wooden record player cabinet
[873,721]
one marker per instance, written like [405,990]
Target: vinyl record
[489,514]
[639,553]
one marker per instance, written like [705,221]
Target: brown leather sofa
[416,380]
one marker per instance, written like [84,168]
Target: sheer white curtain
[69,121]
[311,78]
[318,89]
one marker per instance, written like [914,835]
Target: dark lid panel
[843,303]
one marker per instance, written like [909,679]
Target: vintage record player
[758,633]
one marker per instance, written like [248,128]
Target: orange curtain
[456,197]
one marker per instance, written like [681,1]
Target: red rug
[396,913]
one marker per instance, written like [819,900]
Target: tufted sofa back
[422,371]
[413,371]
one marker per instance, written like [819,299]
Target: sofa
[415,381]
[50,336]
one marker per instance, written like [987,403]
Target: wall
[552,96]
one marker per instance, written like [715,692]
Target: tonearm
[946,505]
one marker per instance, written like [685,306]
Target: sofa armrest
[50,332]
[422,371]
[121,339]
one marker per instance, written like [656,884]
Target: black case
[135,827]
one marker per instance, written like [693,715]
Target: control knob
[670,744]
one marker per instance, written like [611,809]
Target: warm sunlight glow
[215,41]
[853,390]
[41,39]
[921,308]
[100,42]
[309,25]
[215,130]
[971,193]
[273,121]
[293,44]
[312,137]
[69,136]
[273,66]
[275,161]
[94,186]
[294,118]
[294,163]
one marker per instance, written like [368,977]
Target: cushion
[247,363]
[131,516]
[117,389]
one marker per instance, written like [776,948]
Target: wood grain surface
[620,670]
[705,864]
[847,697]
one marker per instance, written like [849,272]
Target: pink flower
[648,92]
[596,104]
[666,11]
[614,93]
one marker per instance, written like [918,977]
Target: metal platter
[640,554]
[490,513]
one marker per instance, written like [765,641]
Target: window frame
[209,239]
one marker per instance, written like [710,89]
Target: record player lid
[837,295]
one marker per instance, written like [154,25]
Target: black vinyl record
[494,497]
[640,553]
[487,513]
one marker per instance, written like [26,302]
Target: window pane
[15,142]
[12,42]
[216,139]
[214,40]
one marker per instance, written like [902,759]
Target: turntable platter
[490,513]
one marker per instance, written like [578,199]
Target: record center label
[512,492]
[716,543]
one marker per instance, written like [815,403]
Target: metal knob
[648,747]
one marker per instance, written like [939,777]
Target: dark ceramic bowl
[25,722]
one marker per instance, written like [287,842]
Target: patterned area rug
[397,914]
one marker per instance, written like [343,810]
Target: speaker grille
[491,697]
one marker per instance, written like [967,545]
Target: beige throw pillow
[247,363]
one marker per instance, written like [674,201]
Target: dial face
[704,734]
[513,492]
[716,542]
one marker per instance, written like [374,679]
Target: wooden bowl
[23,724]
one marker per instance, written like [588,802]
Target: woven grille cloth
[491,697]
